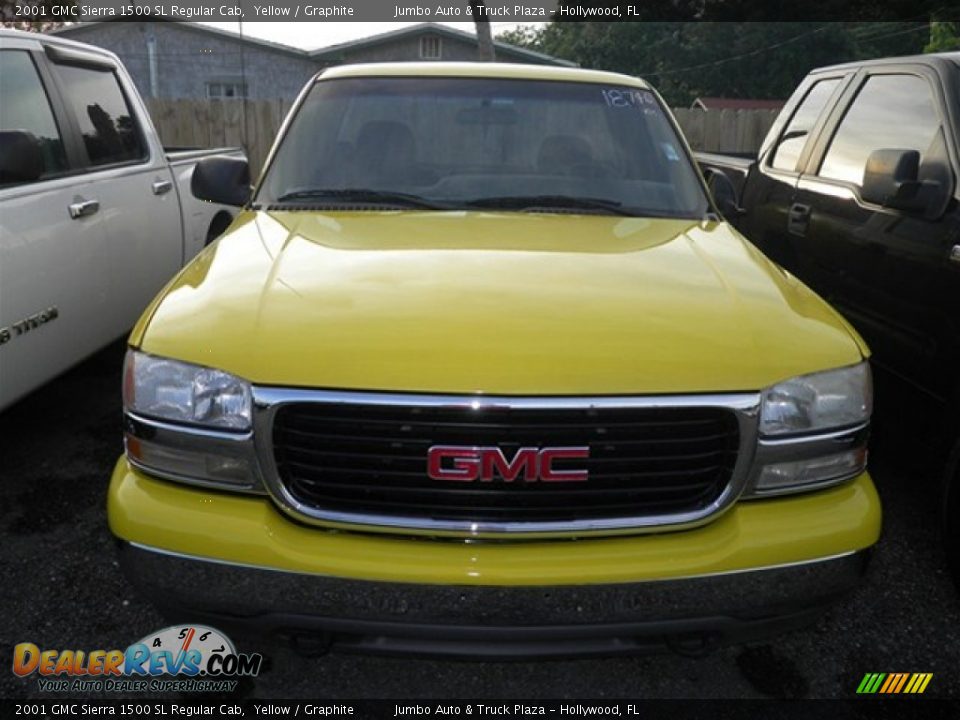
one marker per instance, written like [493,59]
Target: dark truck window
[109,131]
[24,107]
[806,116]
[488,142]
[890,111]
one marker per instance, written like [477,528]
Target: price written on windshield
[626,98]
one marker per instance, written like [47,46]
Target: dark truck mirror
[892,179]
[221,179]
[21,158]
[724,193]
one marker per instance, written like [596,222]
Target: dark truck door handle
[83,208]
[798,219]
[955,254]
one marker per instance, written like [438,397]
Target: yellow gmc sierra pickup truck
[479,370]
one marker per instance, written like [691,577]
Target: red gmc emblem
[466,464]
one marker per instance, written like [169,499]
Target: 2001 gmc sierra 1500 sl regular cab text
[479,370]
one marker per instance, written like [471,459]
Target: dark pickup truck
[854,191]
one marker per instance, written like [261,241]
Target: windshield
[519,145]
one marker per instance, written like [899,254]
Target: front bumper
[689,616]
[763,567]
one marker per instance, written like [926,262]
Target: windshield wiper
[566,202]
[362,195]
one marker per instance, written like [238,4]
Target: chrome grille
[361,458]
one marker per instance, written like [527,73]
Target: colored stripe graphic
[894,683]
[875,685]
[892,680]
[918,683]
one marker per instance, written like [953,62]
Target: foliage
[944,37]
[42,23]
[686,60]
[521,35]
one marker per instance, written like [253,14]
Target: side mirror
[21,158]
[223,180]
[891,180]
[724,194]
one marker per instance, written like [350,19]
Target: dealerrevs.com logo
[178,658]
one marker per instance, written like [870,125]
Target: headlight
[813,431]
[189,423]
[818,402]
[183,393]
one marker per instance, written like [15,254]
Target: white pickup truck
[95,216]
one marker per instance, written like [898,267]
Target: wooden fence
[211,123]
[214,123]
[725,131]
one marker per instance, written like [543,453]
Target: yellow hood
[499,303]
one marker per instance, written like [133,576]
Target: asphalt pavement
[62,588]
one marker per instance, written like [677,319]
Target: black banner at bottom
[926,708]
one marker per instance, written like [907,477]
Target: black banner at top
[462,11]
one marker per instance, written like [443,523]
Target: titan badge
[27,324]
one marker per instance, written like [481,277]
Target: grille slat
[372,459]
[493,493]
[359,473]
[520,511]
[479,426]
[311,439]
[597,456]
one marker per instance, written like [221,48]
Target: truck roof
[10,34]
[929,59]
[517,71]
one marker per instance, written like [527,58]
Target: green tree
[41,23]
[521,36]
[944,37]
[685,60]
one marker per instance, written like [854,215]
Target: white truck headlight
[179,392]
[818,402]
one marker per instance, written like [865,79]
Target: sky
[312,35]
